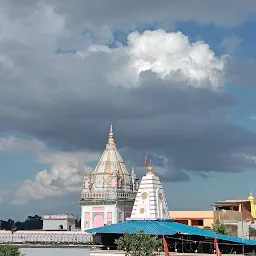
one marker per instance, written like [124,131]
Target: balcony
[87,196]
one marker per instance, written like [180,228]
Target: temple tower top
[150,202]
[110,174]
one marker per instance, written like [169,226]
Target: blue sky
[68,76]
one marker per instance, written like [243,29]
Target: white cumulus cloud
[169,55]
[65,176]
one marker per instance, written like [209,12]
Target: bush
[139,244]
[9,250]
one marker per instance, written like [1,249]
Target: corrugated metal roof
[164,228]
[149,227]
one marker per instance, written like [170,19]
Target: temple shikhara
[109,191]
[150,201]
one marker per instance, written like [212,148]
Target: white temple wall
[58,224]
[22,236]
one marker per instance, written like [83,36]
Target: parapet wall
[45,236]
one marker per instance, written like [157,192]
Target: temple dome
[251,198]
[111,172]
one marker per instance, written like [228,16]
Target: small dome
[251,198]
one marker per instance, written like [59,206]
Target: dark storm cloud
[73,111]
[69,103]
[101,16]
[116,13]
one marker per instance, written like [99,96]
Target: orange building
[228,211]
[194,218]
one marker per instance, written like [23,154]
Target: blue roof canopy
[163,228]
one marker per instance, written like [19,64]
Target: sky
[175,78]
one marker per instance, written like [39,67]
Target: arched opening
[61,227]
[98,221]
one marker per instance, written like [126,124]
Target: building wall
[72,224]
[90,213]
[224,215]
[194,218]
[22,236]
[243,229]
[52,224]
[109,214]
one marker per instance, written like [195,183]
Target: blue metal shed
[159,227]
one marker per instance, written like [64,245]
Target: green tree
[219,228]
[9,250]
[139,244]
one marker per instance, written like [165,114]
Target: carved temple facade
[109,191]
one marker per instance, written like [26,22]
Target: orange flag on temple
[247,215]
[216,246]
[166,250]
[145,160]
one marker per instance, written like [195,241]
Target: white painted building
[150,201]
[64,222]
[109,191]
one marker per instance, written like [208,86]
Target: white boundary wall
[45,236]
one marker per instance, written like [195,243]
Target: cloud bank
[65,78]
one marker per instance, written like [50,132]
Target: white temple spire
[111,139]
[150,201]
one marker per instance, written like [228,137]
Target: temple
[109,191]
[150,201]
[252,204]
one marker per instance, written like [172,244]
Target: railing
[108,195]
[45,236]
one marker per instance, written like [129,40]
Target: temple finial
[133,172]
[150,168]
[251,198]
[111,135]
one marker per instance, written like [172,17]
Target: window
[197,222]
[200,222]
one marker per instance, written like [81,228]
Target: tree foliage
[9,250]
[31,223]
[139,244]
[218,228]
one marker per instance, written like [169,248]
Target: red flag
[216,246]
[215,242]
[247,215]
[145,160]
[166,250]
